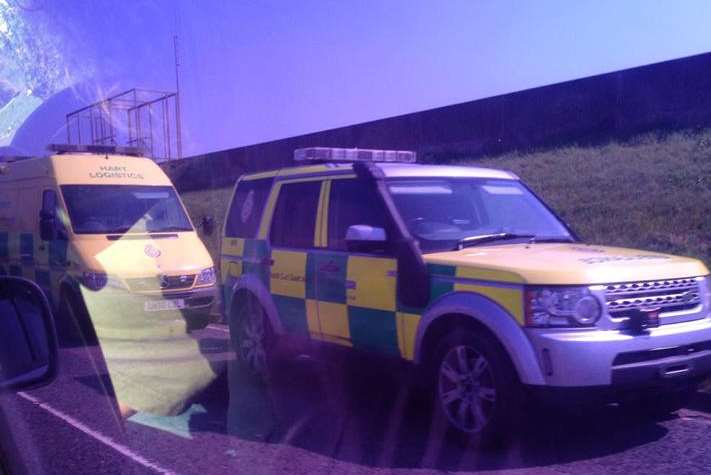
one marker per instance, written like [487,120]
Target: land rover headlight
[561,307]
[206,277]
[707,289]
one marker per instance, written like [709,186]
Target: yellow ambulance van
[103,224]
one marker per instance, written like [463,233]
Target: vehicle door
[24,241]
[293,238]
[50,256]
[8,225]
[242,251]
[356,282]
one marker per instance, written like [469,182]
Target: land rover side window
[118,209]
[246,209]
[294,221]
[350,205]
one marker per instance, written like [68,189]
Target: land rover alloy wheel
[477,390]
[466,388]
[254,338]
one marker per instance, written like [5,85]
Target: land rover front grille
[164,282]
[667,295]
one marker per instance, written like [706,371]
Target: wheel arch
[255,287]
[480,312]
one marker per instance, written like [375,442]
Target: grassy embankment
[652,192]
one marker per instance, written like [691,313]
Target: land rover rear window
[247,207]
[294,221]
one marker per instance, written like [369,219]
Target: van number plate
[160,305]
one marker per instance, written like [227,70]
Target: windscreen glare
[119,209]
[441,212]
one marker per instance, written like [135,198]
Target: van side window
[294,221]
[246,209]
[49,202]
[350,205]
[50,208]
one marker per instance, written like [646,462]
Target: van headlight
[561,307]
[707,288]
[98,280]
[206,277]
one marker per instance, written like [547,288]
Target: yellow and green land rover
[467,274]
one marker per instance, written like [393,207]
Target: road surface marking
[177,425]
[122,449]
[220,328]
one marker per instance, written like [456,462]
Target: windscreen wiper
[544,239]
[482,238]
[170,229]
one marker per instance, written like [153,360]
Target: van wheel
[197,322]
[74,320]
[255,339]
[477,392]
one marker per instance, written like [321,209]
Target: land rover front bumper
[666,356]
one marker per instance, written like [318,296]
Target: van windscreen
[119,209]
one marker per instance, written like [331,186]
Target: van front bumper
[669,356]
[119,305]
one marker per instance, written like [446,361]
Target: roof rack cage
[333,154]
[98,149]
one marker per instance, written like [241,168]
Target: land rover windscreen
[449,213]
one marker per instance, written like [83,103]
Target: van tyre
[74,321]
[476,389]
[197,322]
[255,340]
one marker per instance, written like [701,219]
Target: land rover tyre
[476,389]
[74,323]
[254,338]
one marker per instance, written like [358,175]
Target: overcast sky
[253,71]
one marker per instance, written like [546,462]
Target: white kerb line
[122,449]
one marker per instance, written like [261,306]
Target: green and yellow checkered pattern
[24,254]
[347,299]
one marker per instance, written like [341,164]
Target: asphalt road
[338,416]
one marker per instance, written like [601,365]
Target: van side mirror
[364,238]
[208,225]
[48,226]
[28,354]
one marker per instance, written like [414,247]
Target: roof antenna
[178,138]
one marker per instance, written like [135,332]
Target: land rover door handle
[329,267]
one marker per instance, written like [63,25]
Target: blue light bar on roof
[332,154]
